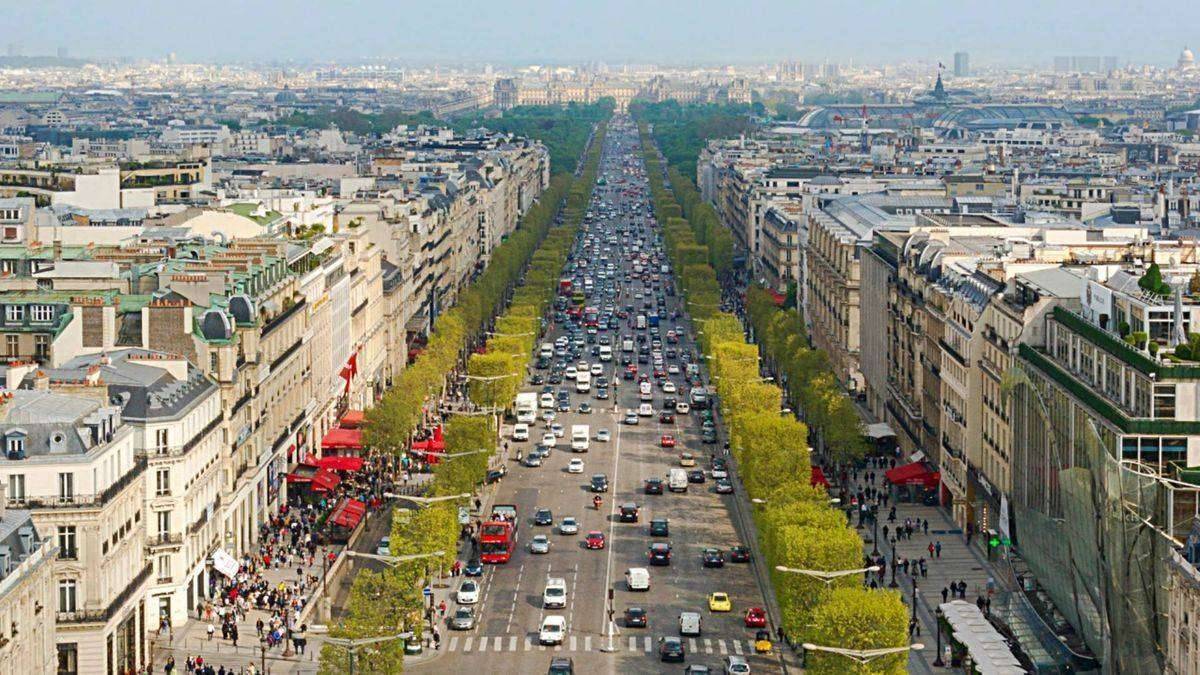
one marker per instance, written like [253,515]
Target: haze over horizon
[617,31]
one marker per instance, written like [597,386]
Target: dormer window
[14,313]
[14,444]
[41,313]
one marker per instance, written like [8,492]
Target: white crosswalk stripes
[574,643]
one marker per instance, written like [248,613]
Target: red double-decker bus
[498,536]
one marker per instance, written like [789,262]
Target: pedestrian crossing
[473,644]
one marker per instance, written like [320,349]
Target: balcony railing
[103,615]
[281,317]
[164,539]
[82,501]
[180,450]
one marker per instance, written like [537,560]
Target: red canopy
[916,473]
[348,513]
[336,463]
[342,438]
[777,297]
[817,477]
[353,419]
[325,480]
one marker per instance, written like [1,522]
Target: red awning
[325,480]
[817,477]
[337,463]
[342,438]
[916,473]
[777,297]
[353,419]
[348,513]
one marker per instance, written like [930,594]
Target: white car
[575,466]
[672,369]
[719,473]
[554,629]
[539,544]
[557,429]
[546,401]
[568,525]
[520,432]
[468,593]
[597,370]
[549,440]
[682,408]
[571,373]
[669,387]
[644,410]
[603,436]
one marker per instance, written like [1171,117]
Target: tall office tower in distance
[962,64]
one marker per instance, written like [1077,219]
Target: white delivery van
[580,437]
[547,350]
[627,345]
[555,595]
[677,480]
[637,579]
[527,405]
[583,382]
[689,623]
[645,392]
[605,353]
[641,322]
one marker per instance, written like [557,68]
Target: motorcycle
[597,501]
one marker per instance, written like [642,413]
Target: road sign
[464,516]
[427,591]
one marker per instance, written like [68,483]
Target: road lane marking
[724,649]
[529,644]
[648,643]
[737,647]
[512,643]
[707,646]
[573,644]
[497,646]
[453,643]
[467,643]
[483,644]
[692,645]
[587,643]
[632,643]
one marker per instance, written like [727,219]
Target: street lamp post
[352,646]
[937,615]
[875,534]
[394,560]
[827,577]
[914,599]
[895,564]
[862,656]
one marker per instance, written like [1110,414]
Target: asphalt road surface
[510,613]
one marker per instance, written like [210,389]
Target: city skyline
[520,32]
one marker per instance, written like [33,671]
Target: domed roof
[1186,56]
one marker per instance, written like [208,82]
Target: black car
[602,394]
[670,649]
[660,527]
[542,364]
[654,486]
[599,483]
[629,512]
[537,380]
[739,554]
[635,617]
[713,557]
[543,517]
[473,568]
[660,553]
[495,475]
[561,665]
[708,436]
[555,378]
[695,476]
[666,417]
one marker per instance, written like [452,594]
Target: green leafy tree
[854,618]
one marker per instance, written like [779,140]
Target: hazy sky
[507,31]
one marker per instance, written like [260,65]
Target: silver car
[463,619]
[540,544]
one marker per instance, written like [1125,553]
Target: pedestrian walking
[211,629]
[945,593]
[930,549]
[437,639]
[937,549]
[926,526]
[914,628]
[169,666]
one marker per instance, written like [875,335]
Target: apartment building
[108,186]
[27,594]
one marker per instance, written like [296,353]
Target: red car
[756,617]
[667,441]
[595,539]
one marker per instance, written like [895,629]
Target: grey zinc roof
[143,390]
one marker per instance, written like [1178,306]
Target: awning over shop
[321,480]
[916,473]
[338,438]
[353,419]
[817,477]
[339,463]
[777,297]
[348,513]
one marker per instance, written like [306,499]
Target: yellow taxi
[720,602]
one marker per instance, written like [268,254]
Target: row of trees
[798,527]
[681,130]
[524,269]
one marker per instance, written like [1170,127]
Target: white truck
[583,382]
[581,437]
[527,407]
[627,345]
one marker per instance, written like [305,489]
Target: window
[68,658]
[16,487]
[66,543]
[12,345]
[41,313]
[66,486]
[164,567]
[15,446]
[161,438]
[14,313]
[41,346]
[67,595]
[162,482]
[164,524]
